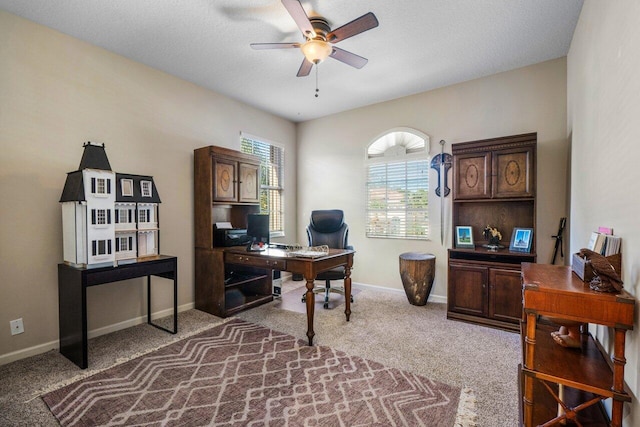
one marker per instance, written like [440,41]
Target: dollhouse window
[127,187]
[123,216]
[145,187]
[101,247]
[142,216]
[100,186]
[100,216]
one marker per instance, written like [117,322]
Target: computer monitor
[258,228]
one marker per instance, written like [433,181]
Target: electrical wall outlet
[17,327]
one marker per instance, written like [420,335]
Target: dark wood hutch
[226,189]
[494,184]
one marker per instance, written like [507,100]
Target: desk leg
[347,291]
[72,316]
[175,304]
[310,299]
[530,343]
[618,376]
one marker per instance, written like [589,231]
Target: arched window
[398,185]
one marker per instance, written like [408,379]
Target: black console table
[72,298]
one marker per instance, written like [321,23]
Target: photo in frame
[464,237]
[521,240]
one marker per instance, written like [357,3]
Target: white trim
[54,345]
[432,298]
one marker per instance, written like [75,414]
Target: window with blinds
[398,186]
[271,179]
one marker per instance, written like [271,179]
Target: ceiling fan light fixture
[316,51]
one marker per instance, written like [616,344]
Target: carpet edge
[466,415]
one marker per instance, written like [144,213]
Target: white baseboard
[55,345]
[432,298]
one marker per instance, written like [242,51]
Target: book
[595,240]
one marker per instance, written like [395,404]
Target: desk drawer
[275,264]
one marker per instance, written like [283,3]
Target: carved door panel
[224,188]
[468,289]
[472,180]
[249,185]
[512,174]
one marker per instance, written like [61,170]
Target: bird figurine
[605,277]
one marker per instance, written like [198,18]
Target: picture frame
[521,240]
[464,237]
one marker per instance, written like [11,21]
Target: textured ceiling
[419,45]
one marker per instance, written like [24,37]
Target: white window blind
[271,179]
[398,187]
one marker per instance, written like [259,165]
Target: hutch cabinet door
[472,179]
[512,174]
[249,183]
[468,289]
[224,173]
[505,295]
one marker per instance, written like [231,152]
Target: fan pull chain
[317,90]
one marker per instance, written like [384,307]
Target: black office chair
[327,227]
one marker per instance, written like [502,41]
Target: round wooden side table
[417,271]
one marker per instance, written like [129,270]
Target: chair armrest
[349,247]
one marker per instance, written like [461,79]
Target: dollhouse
[107,217]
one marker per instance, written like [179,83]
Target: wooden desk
[277,259]
[554,291]
[72,298]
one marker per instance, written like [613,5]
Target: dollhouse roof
[137,193]
[73,188]
[94,157]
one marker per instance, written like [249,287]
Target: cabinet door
[513,173]
[505,295]
[472,180]
[224,175]
[249,184]
[467,292]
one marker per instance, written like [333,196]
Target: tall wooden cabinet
[226,189]
[493,184]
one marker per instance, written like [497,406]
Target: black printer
[230,237]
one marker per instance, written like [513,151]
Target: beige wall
[331,154]
[604,127]
[57,92]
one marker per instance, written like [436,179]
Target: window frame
[416,159]
[128,183]
[277,220]
[146,189]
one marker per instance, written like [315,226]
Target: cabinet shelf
[586,368]
[242,279]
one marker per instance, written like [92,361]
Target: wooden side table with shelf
[554,291]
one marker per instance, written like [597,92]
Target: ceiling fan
[320,38]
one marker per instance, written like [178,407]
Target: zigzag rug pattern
[241,374]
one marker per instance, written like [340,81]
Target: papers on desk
[308,252]
[223,225]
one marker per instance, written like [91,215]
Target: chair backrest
[327,227]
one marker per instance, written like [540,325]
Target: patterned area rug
[240,374]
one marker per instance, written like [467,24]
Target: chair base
[326,290]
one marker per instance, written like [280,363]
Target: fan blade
[355,27]
[295,9]
[348,58]
[305,68]
[261,46]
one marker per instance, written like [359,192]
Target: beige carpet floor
[384,327]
